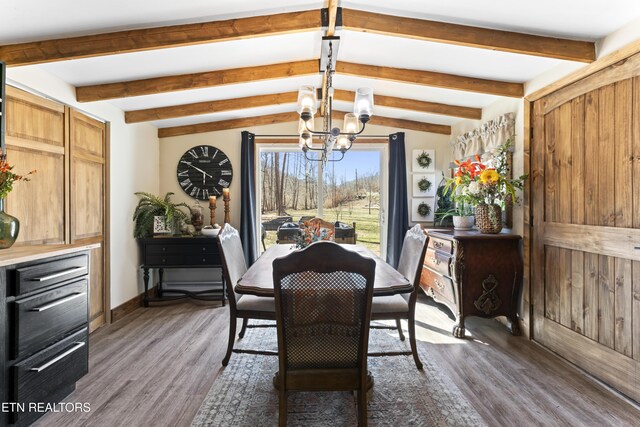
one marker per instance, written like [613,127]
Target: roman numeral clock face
[204,171]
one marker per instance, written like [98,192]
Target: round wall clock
[204,171]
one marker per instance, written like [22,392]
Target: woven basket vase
[489,218]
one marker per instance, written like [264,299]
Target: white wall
[171,149]
[134,167]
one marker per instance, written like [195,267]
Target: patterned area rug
[243,393]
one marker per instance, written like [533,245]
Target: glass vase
[9,228]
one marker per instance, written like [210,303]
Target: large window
[349,191]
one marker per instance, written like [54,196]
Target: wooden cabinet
[474,274]
[44,327]
[181,252]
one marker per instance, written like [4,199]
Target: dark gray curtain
[398,210]
[248,197]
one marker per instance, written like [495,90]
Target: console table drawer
[437,261]
[38,276]
[441,286]
[201,259]
[49,375]
[48,316]
[442,245]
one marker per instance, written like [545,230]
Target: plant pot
[9,228]
[489,218]
[463,222]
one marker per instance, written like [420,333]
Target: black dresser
[160,253]
[44,343]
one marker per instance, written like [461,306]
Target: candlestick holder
[212,208]
[226,199]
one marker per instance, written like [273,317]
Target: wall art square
[424,160]
[422,209]
[424,184]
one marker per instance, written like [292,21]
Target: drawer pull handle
[58,302]
[78,345]
[435,260]
[437,244]
[438,284]
[59,274]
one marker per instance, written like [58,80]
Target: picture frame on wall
[424,160]
[421,206]
[424,185]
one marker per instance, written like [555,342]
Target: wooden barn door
[586,224]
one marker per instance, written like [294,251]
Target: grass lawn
[367,225]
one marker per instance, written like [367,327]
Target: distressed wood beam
[159,38]
[244,122]
[430,78]
[415,105]
[463,35]
[209,107]
[195,81]
[333,14]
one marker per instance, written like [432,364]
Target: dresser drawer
[442,286]
[437,261]
[439,244]
[202,259]
[210,248]
[163,249]
[160,260]
[46,317]
[38,276]
[49,375]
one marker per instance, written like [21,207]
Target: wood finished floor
[155,367]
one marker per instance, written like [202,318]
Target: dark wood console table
[474,274]
[181,252]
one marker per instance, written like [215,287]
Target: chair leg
[362,406]
[282,407]
[232,338]
[399,326]
[412,340]
[245,322]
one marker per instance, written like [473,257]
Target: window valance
[485,139]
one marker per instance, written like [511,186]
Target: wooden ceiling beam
[269,119]
[333,16]
[209,107]
[415,105]
[462,35]
[195,81]
[217,106]
[430,78]
[159,38]
[244,122]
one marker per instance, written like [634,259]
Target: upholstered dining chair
[243,307]
[323,299]
[403,306]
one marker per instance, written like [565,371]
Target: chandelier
[331,137]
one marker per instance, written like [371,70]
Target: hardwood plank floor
[155,367]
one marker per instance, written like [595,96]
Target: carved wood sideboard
[474,274]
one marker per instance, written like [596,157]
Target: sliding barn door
[586,224]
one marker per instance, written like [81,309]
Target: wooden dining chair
[323,305]
[243,307]
[403,306]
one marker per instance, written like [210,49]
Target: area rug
[243,393]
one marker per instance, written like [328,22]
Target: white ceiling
[578,19]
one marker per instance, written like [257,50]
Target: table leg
[145,275]
[458,328]
[160,275]
[512,325]
[224,291]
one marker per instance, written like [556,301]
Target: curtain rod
[298,136]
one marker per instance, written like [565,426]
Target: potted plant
[151,206]
[487,187]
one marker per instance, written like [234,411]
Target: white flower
[459,190]
[473,187]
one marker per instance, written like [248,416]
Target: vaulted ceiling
[201,65]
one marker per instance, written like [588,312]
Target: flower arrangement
[310,233]
[8,177]
[424,160]
[476,183]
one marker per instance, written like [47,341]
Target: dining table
[258,279]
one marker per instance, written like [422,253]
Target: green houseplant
[150,206]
